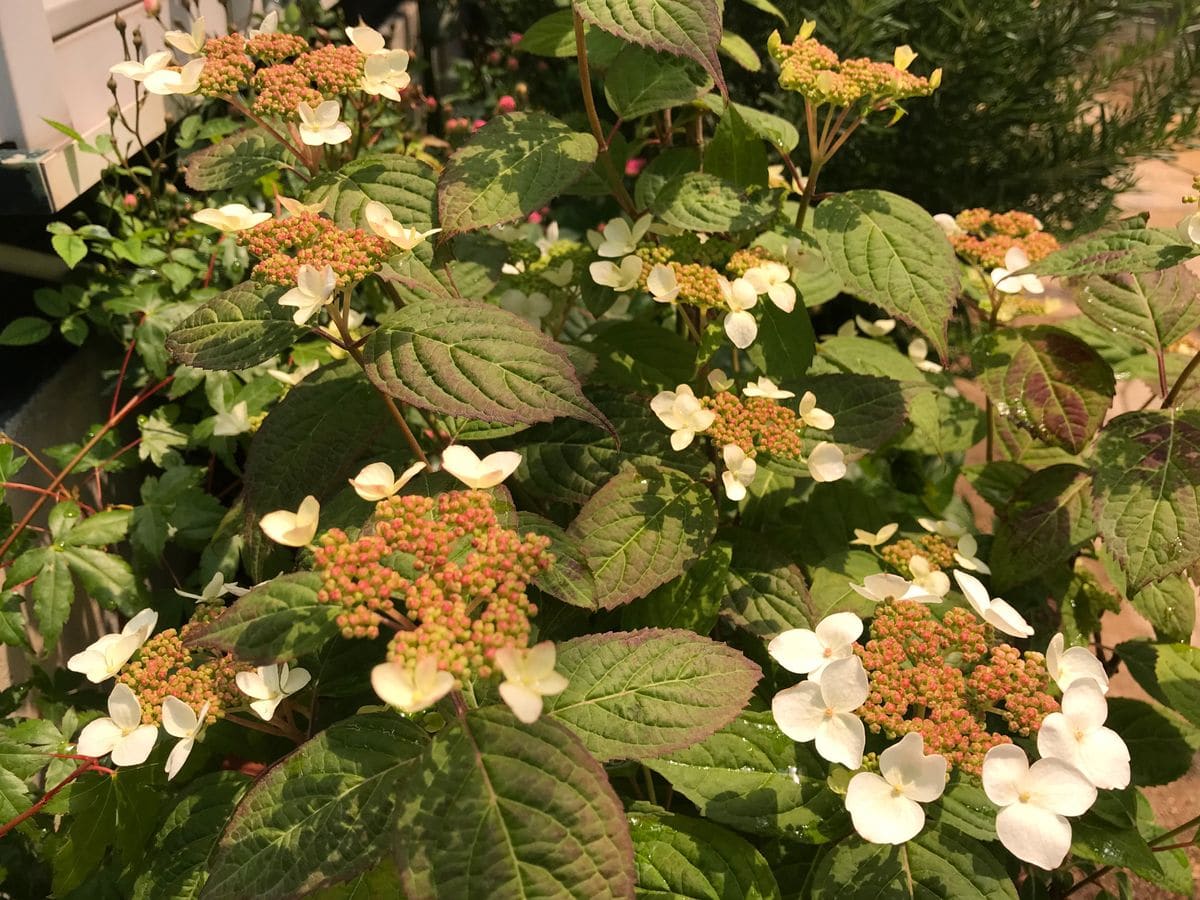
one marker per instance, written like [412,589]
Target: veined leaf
[690,28]
[640,81]
[638,694]
[276,622]
[234,162]
[499,809]
[477,361]
[771,128]
[1157,308]
[697,201]
[1169,605]
[515,164]
[405,185]
[569,579]
[320,815]
[765,591]
[1146,485]
[1129,247]
[691,601]
[888,251]
[1048,382]
[238,329]
[551,35]
[641,529]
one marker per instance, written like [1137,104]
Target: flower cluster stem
[88,765]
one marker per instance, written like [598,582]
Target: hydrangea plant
[577,565]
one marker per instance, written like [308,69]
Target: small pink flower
[512,63]
[151,6]
[515,37]
[535,217]
[130,200]
[634,166]
[506,104]
[477,124]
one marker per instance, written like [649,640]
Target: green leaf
[1048,382]
[868,411]
[739,50]
[1107,833]
[1178,671]
[178,861]
[237,161]
[379,883]
[107,578]
[1146,486]
[753,777]
[641,530]
[682,857]
[499,809]
[24,331]
[515,164]
[965,807]
[765,592]
[70,247]
[691,601]
[52,595]
[405,185]
[690,28]
[771,128]
[888,251]
[552,35]
[1170,606]
[1156,308]
[475,360]
[639,694]
[238,329]
[322,814]
[12,628]
[697,201]
[1130,247]
[569,578]
[1048,518]
[785,343]
[277,621]
[829,586]
[100,530]
[640,356]
[736,153]
[671,163]
[641,81]
[569,460]
[938,863]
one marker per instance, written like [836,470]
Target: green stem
[810,190]
[1173,394]
[616,183]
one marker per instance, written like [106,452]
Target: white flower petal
[525,703]
[741,328]
[839,630]
[1001,616]
[1059,787]
[265,709]
[798,650]
[844,685]
[1104,759]
[826,462]
[1005,768]
[134,748]
[179,719]
[98,737]
[799,710]
[904,765]
[124,707]
[179,755]
[841,737]
[879,815]
[1034,835]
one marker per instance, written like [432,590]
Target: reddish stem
[212,260]
[112,409]
[88,766]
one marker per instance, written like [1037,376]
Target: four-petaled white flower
[122,733]
[918,352]
[139,71]
[528,677]
[480,474]
[1067,666]
[214,590]
[826,462]
[381,221]
[933,581]
[1004,280]
[531,307]
[771,278]
[365,38]
[967,555]
[765,387]
[187,42]
[948,224]
[824,712]
[181,721]
[232,422]
[811,416]
[808,652]
[231,217]
[903,57]
[293,529]
[268,25]
[995,611]
[377,481]
[175,82]
[620,238]
[878,328]
[1077,736]
[104,658]
[943,527]
[886,586]
[886,808]
[385,74]
[413,689]
[1190,226]
[740,325]
[719,381]
[875,539]
[680,410]
[739,472]
[1035,801]
[322,125]
[662,284]
[267,686]
[623,277]
[295,208]
[314,288]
